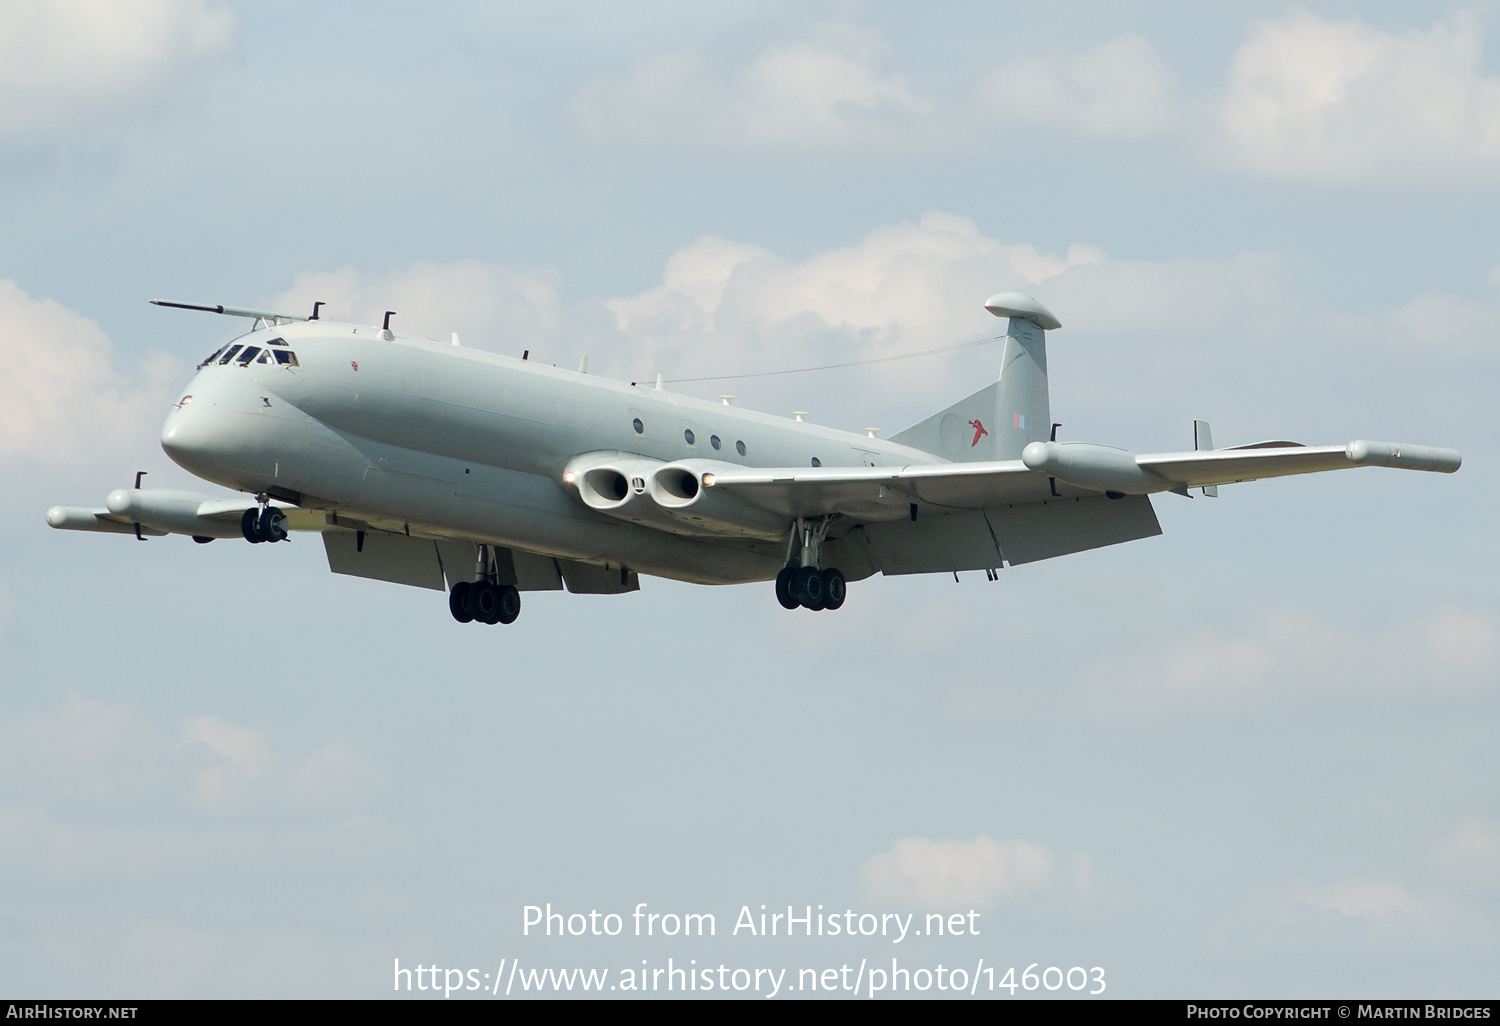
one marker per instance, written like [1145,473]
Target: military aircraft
[446,467]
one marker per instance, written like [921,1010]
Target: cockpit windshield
[246,355]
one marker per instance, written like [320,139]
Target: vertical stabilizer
[996,422]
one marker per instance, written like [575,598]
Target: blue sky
[1252,757]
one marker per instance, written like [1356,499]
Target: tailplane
[997,422]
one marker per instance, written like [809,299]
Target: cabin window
[287,358]
[713,440]
[687,436]
[739,447]
[640,428]
[817,462]
[228,355]
[276,342]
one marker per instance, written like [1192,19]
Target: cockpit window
[276,342]
[248,355]
[228,355]
[287,358]
[265,357]
[212,358]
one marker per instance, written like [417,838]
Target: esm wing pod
[439,466]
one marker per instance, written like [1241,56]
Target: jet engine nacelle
[1100,468]
[668,496]
[686,488]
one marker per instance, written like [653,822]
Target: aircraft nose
[188,435]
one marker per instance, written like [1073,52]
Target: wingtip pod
[1406,457]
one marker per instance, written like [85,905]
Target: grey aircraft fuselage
[464,443]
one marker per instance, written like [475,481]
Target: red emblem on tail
[979,431]
[354,365]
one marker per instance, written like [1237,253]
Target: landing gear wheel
[486,602]
[272,525]
[784,584]
[808,587]
[250,526]
[458,602]
[510,603]
[835,590]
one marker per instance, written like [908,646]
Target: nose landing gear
[263,524]
[484,600]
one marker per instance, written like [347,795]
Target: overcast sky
[1252,757]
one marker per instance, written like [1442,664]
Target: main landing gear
[810,588]
[484,602]
[802,582]
[262,524]
[484,599]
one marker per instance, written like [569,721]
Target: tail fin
[996,422]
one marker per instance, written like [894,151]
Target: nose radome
[188,436]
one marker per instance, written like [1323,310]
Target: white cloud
[242,772]
[984,873]
[66,397]
[1471,854]
[1120,89]
[827,91]
[506,309]
[725,306]
[1290,652]
[66,60]
[84,748]
[1341,102]
[1353,911]
[91,758]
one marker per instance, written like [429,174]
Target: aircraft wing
[1048,470]
[1280,459]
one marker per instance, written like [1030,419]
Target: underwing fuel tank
[1101,468]
[172,511]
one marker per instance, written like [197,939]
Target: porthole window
[640,428]
[739,447]
[817,462]
[713,440]
[687,436]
